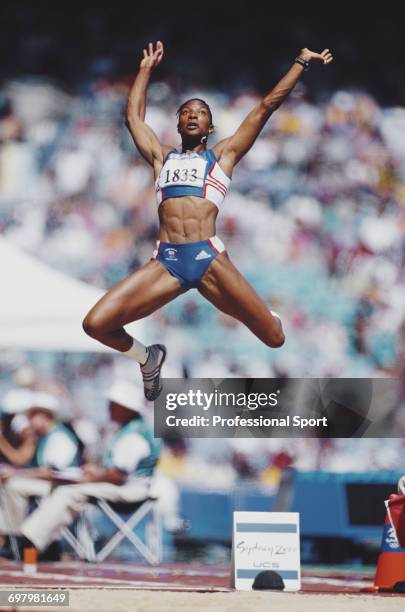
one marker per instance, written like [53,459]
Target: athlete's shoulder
[167,150]
[209,156]
[219,147]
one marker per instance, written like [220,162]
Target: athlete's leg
[136,297]
[228,290]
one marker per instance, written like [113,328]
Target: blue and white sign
[266,541]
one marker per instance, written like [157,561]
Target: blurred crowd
[314,219]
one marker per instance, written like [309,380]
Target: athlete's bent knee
[275,337]
[92,325]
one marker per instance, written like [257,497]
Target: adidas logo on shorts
[202,255]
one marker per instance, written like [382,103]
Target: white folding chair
[125,516]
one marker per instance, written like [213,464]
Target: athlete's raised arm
[144,137]
[231,150]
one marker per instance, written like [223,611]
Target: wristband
[303,62]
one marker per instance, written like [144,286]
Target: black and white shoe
[151,371]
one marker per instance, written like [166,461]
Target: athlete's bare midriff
[187,219]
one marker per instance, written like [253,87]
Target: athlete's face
[194,120]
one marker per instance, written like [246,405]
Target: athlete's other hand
[152,57]
[310,56]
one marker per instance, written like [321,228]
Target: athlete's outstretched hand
[310,56]
[151,57]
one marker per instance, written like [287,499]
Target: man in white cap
[124,476]
[57,449]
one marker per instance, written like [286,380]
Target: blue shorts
[188,261]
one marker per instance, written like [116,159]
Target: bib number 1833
[181,175]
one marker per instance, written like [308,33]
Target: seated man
[57,449]
[125,474]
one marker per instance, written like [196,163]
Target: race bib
[183,171]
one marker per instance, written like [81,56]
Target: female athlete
[190,186]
